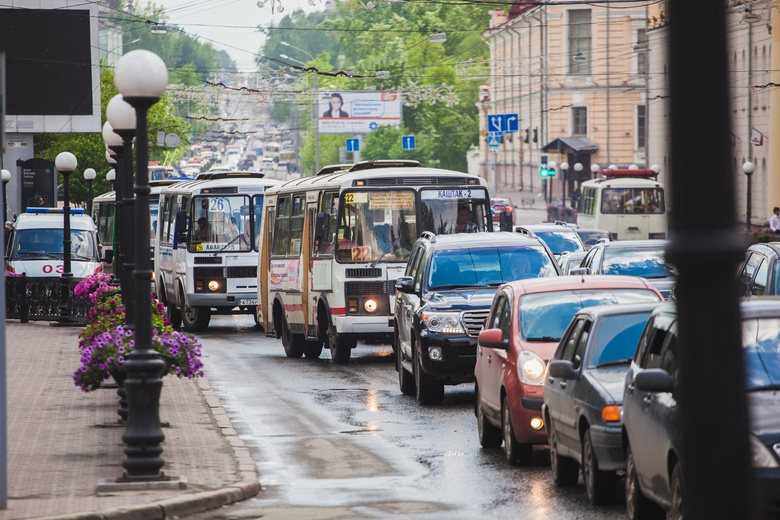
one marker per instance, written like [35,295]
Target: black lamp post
[748,168]
[65,163]
[6,176]
[89,176]
[141,77]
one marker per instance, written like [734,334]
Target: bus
[158,172]
[630,204]
[334,244]
[104,214]
[205,256]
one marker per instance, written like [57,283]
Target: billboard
[357,112]
[52,72]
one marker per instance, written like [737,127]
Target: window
[761,280]
[281,227]
[641,126]
[504,317]
[579,41]
[579,119]
[330,205]
[641,51]
[588,204]
[296,225]
[570,342]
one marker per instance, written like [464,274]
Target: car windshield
[560,241]
[761,346]
[617,338]
[32,243]
[544,316]
[648,263]
[488,266]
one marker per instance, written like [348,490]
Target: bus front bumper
[361,324]
[230,300]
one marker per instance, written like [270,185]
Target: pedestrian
[774,221]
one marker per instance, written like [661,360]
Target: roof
[575,143]
[578,282]
[625,308]
[655,243]
[52,220]
[483,239]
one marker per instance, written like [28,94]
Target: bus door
[322,261]
[264,308]
[307,252]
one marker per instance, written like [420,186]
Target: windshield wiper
[225,246]
[614,362]
[764,387]
[543,338]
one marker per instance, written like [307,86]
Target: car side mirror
[579,270]
[404,284]
[563,368]
[493,338]
[653,380]
[109,257]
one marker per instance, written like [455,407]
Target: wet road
[341,441]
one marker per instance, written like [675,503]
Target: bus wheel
[340,347]
[173,314]
[292,343]
[195,319]
[312,349]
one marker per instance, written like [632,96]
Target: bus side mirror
[321,229]
[109,257]
[505,220]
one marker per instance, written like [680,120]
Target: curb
[184,505]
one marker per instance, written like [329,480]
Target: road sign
[408,142]
[353,145]
[503,123]
[493,140]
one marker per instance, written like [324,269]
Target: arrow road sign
[503,123]
[353,145]
[511,123]
[495,123]
[408,142]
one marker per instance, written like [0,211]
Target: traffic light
[536,135]
[527,135]
[543,171]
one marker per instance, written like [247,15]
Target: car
[560,237]
[444,297]
[759,272]
[570,260]
[246,164]
[526,322]
[590,236]
[502,208]
[645,258]
[583,395]
[651,415]
[35,245]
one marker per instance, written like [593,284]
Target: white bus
[205,258]
[630,204]
[334,244]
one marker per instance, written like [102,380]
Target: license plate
[248,302]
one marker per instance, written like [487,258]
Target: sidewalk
[62,442]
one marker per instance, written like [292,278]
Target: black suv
[444,298]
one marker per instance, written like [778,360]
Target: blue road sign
[353,145]
[493,140]
[494,123]
[512,123]
[503,123]
[408,142]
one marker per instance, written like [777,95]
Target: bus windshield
[439,209]
[221,223]
[632,201]
[374,224]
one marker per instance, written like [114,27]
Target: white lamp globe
[564,165]
[110,158]
[110,137]
[633,167]
[612,167]
[6,175]
[595,168]
[577,167]
[552,164]
[655,168]
[90,174]
[120,113]
[748,167]
[66,162]
[141,74]
[111,175]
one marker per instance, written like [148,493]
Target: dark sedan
[583,395]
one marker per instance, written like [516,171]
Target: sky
[231,25]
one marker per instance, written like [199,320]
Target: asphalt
[64,446]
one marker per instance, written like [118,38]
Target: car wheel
[429,390]
[195,319]
[312,349]
[565,471]
[405,379]
[293,343]
[600,485]
[638,506]
[678,494]
[173,314]
[516,453]
[340,347]
[489,435]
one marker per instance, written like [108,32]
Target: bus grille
[208,260]
[367,272]
[418,181]
[242,271]
[208,272]
[365,288]
[474,321]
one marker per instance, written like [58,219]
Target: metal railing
[38,298]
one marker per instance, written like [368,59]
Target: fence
[38,298]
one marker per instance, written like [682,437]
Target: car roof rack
[371,165]
[429,235]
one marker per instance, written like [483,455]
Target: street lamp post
[89,176]
[748,167]
[551,165]
[65,163]
[564,171]
[141,77]
[6,176]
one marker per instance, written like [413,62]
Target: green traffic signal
[543,171]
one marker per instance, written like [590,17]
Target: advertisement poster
[357,112]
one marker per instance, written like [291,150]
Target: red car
[497,208]
[526,321]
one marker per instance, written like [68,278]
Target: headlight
[443,322]
[530,368]
[213,285]
[370,306]
[762,457]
